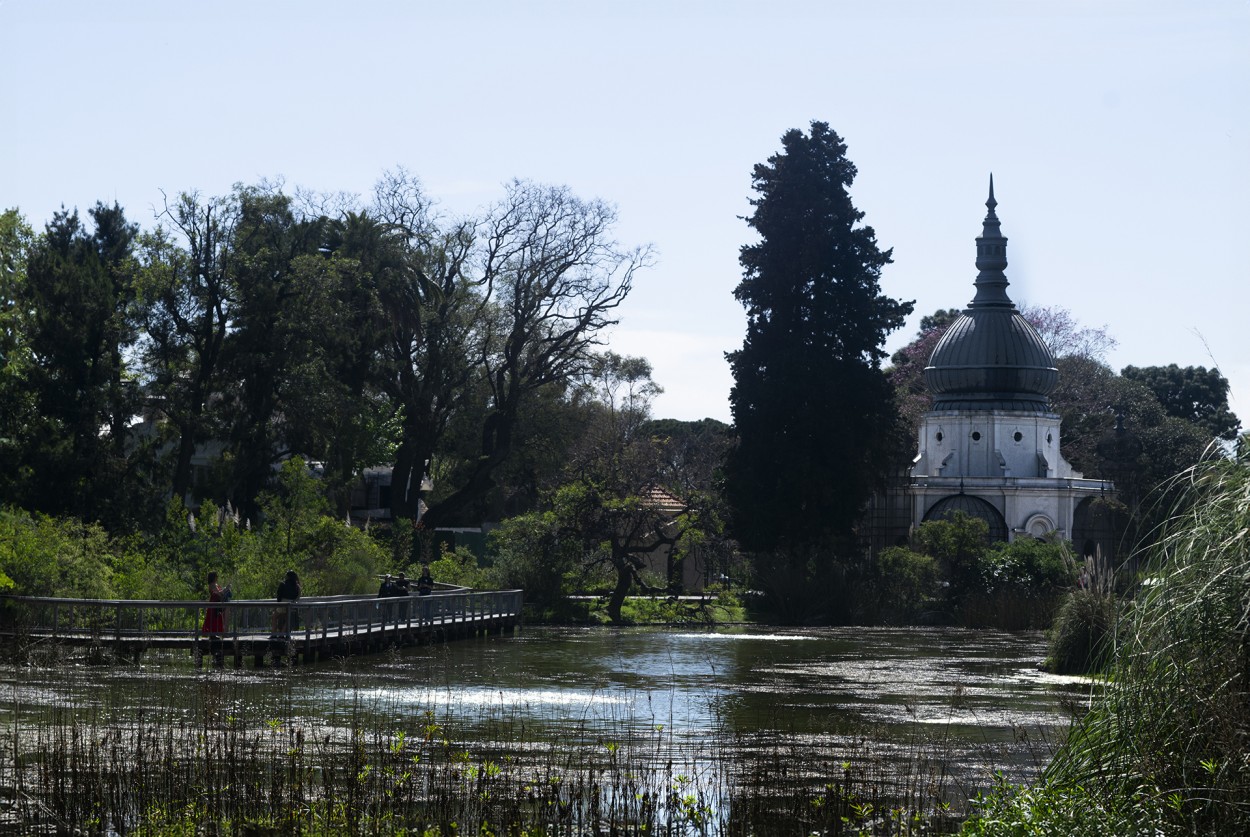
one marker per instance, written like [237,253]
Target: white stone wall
[990,443]
[1009,459]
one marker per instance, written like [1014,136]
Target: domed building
[990,444]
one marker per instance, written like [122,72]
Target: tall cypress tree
[811,405]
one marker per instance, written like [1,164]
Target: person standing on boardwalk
[402,590]
[214,624]
[214,618]
[425,584]
[385,591]
[289,590]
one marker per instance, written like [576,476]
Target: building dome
[991,358]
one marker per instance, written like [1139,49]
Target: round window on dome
[976,435]
[1018,436]
[938,436]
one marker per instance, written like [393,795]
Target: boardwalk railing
[311,628]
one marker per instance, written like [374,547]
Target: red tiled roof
[662,500]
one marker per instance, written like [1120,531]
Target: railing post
[307,634]
[197,649]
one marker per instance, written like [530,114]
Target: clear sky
[1118,134]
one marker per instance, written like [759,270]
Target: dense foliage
[192,359]
[812,408]
[951,573]
[1194,393]
[63,556]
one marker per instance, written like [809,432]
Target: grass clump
[1082,638]
[1165,749]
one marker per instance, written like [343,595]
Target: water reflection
[972,699]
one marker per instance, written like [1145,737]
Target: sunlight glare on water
[968,697]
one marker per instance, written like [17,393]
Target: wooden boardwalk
[265,631]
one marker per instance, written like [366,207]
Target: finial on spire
[991,282]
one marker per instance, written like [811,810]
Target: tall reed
[1166,750]
[220,763]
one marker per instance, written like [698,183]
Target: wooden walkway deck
[266,631]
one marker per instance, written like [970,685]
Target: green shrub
[48,556]
[671,610]
[1028,564]
[340,559]
[459,566]
[957,544]
[903,584]
[528,555]
[1010,811]
[1017,585]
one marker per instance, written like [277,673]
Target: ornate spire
[991,282]
[991,358]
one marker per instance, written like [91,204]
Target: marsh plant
[1082,638]
[1164,749]
[222,764]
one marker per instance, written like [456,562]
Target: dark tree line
[258,326]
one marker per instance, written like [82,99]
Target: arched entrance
[1094,527]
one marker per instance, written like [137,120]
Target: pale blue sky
[1118,134]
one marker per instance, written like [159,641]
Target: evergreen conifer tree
[810,402]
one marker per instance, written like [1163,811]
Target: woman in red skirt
[214,618]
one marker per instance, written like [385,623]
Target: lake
[934,711]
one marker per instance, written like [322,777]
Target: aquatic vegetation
[170,772]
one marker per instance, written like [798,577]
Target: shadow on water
[931,712]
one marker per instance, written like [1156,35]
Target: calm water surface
[973,701]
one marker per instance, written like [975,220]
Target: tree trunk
[182,468]
[404,495]
[617,597]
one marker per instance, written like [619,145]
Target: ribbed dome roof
[991,358]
